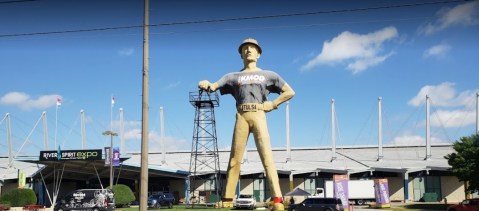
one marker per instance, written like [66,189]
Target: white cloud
[464,14]
[133,133]
[444,95]
[359,51]
[438,51]
[126,52]
[409,140]
[415,140]
[25,102]
[454,118]
[171,143]
[362,64]
[128,125]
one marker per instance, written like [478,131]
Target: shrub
[4,201]
[19,197]
[123,195]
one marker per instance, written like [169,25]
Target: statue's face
[249,52]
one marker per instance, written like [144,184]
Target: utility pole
[144,121]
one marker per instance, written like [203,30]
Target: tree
[465,161]
[123,195]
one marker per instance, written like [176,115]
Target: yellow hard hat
[250,41]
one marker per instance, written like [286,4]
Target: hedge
[123,195]
[19,197]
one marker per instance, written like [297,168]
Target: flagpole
[112,174]
[56,120]
[56,125]
[111,112]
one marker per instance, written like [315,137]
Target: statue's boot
[224,203]
[278,203]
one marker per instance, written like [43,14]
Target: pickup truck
[245,201]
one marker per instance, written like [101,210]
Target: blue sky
[349,51]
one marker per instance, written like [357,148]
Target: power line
[15,1]
[229,19]
[307,13]
[290,26]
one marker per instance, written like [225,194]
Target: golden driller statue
[250,88]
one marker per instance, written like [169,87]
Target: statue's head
[250,41]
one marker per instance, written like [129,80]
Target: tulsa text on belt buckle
[249,107]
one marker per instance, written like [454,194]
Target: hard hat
[250,41]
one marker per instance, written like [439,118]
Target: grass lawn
[176,207]
[420,206]
[394,207]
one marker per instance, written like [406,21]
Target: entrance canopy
[297,192]
[90,164]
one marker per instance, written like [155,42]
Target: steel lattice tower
[204,161]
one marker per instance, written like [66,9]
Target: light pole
[111,134]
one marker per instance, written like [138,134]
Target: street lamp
[111,134]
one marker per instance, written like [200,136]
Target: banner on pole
[22,180]
[341,189]
[381,188]
[107,156]
[116,156]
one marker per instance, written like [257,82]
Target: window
[310,185]
[309,201]
[259,189]
[210,185]
[433,185]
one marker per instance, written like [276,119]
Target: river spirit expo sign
[92,154]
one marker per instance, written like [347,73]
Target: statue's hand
[204,85]
[269,106]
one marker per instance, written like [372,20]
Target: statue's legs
[263,144]
[240,138]
[256,121]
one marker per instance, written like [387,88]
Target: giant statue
[250,87]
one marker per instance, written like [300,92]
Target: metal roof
[8,172]
[349,160]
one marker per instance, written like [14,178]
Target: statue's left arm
[286,93]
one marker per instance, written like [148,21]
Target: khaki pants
[246,123]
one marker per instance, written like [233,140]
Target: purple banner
[116,156]
[341,189]
[381,188]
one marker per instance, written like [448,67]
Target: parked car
[318,204]
[466,205]
[161,199]
[87,199]
[245,201]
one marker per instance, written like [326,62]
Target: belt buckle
[249,107]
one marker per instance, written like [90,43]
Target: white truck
[359,191]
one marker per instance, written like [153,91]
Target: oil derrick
[204,161]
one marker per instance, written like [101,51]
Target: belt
[250,107]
